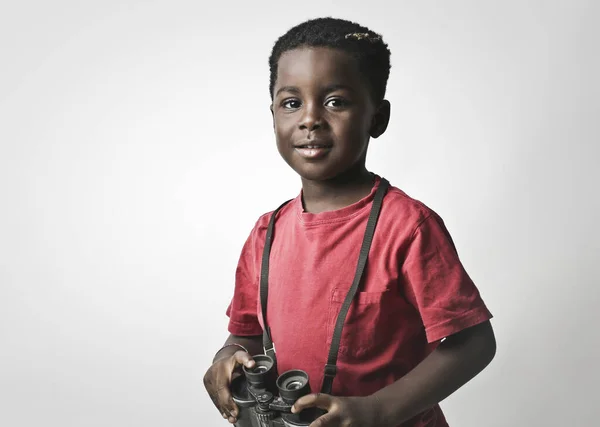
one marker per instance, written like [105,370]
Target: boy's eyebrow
[326,89]
[334,87]
[292,89]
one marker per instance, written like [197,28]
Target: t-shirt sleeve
[437,284]
[242,310]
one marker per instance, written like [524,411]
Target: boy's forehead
[308,66]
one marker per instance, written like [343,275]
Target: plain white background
[136,153]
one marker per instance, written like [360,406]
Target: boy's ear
[381,118]
[272,114]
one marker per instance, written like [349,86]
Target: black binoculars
[265,399]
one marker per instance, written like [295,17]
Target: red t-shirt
[415,292]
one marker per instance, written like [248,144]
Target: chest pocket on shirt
[367,327]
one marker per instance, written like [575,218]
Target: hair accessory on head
[364,36]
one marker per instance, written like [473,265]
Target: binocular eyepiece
[291,385]
[266,400]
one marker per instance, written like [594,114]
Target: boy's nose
[311,118]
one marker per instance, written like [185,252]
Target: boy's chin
[327,172]
[315,174]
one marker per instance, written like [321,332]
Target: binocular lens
[259,369]
[292,385]
[262,374]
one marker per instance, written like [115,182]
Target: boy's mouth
[313,151]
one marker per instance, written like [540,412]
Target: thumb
[318,400]
[243,358]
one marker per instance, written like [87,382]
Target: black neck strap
[269,347]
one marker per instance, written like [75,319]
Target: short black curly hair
[366,46]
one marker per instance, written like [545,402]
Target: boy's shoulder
[286,209]
[406,207]
[399,199]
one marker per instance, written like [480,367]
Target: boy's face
[323,114]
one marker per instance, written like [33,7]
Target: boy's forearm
[252,343]
[456,360]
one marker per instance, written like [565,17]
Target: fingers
[218,381]
[243,358]
[225,413]
[321,401]
[221,397]
[227,406]
[327,420]
[318,400]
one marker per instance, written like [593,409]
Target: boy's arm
[453,363]
[252,343]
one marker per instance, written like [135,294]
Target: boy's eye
[336,103]
[290,104]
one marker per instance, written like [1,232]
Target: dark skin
[225,368]
[321,99]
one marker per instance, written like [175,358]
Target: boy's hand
[217,381]
[341,411]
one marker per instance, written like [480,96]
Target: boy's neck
[337,193]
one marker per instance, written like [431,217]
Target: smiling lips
[313,150]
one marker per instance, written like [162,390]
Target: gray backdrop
[136,152]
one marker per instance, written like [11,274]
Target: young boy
[417,329]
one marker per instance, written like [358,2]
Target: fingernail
[293,409]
